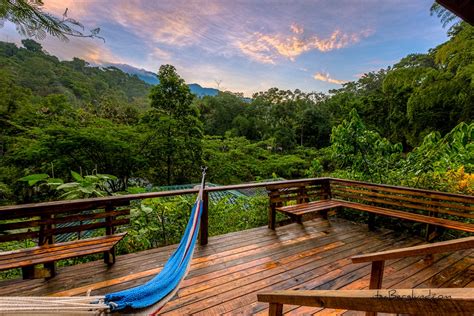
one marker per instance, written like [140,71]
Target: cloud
[160,54]
[267,48]
[324,76]
[295,28]
[171,23]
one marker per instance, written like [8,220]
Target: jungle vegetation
[403,125]
[70,130]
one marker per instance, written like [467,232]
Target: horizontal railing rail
[36,209]
[446,301]
[420,250]
[378,258]
[414,191]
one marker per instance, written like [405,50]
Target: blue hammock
[154,294]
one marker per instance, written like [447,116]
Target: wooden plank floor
[227,274]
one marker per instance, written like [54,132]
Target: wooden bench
[450,301]
[428,302]
[307,197]
[43,224]
[437,209]
[378,259]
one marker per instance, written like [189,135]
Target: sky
[246,45]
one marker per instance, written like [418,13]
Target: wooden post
[371,220]
[28,272]
[204,229]
[326,190]
[376,278]
[271,211]
[45,237]
[109,256]
[275,309]
[431,230]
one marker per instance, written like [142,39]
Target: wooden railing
[436,209]
[429,202]
[439,302]
[406,203]
[378,258]
[453,301]
[112,202]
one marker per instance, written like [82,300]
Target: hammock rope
[53,305]
[148,298]
[153,295]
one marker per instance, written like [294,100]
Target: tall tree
[177,125]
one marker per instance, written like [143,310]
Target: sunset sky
[250,46]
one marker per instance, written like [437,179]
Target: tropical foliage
[67,127]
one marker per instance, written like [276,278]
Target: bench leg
[271,217]
[324,214]
[28,272]
[275,309]
[109,256]
[432,232]
[371,222]
[51,268]
[296,218]
[299,219]
[32,272]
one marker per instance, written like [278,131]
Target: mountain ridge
[150,78]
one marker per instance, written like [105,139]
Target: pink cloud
[324,76]
[266,48]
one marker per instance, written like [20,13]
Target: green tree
[362,151]
[176,125]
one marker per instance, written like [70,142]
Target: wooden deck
[227,273]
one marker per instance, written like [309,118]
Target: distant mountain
[151,78]
[202,91]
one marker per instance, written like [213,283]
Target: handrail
[447,301]
[118,199]
[122,200]
[408,189]
[428,249]
[378,258]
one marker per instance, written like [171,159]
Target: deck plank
[227,273]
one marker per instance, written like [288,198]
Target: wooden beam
[204,229]
[275,309]
[462,8]
[449,301]
[439,247]
[376,275]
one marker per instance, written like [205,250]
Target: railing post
[371,220]
[109,255]
[275,309]
[376,278]
[326,190]
[204,229]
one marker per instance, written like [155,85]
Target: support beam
[204,229]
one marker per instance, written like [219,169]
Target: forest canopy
[407,124]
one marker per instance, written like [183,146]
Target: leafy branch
[32,21]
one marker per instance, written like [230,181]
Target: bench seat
[325,205]
[409,216]
[310,207]
[49,253]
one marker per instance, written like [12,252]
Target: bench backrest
[44,224]
[438,204]
[299,192]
